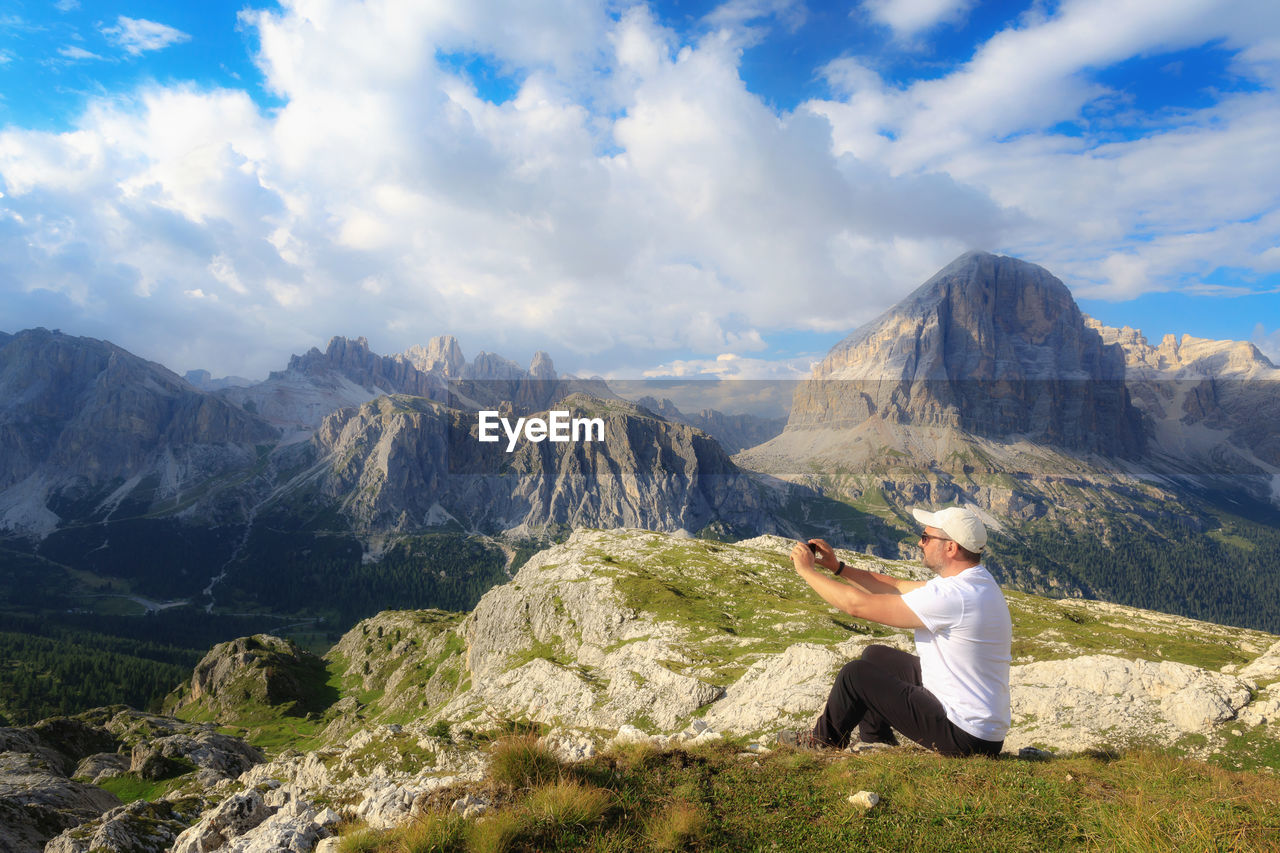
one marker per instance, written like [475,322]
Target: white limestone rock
[629,734]
[229,820]
[469,807]
[782,687]
[641,686]
[295,832]
[569,745]
[101,765]
[864,800]
[542,691]
[1265,709]
[1265,668]
[1094,700]
[139,827]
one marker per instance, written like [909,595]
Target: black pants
[881,692]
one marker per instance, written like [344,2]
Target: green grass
[129,787]
[728,603]
[523,762]
[1051,630]
[713,798]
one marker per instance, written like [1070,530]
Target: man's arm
[868,581]
[887,608]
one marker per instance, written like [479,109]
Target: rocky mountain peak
[991,345]
[442,354]
[83,414]
[1186,356]
[982,316]
[341,354]
[489,366]
[541,367]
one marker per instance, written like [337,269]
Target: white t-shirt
[964,649]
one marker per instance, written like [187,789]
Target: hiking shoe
[802,740]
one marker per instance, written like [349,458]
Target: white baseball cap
[960,523]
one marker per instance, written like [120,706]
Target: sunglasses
[925,537]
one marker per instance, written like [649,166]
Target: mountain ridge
[956,395]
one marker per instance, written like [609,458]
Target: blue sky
[675,188]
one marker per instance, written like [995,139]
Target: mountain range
[1105,466]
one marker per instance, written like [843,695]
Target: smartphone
[813,548]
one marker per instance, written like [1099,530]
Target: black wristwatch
[839,568]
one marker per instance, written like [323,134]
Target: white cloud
[137,35]
[632,200]
[1268,342]
[67,5]
[733,366]
[736,13]
[1187,193]
[75,52]
[908,17]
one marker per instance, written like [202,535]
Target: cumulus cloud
[138,35]
[632,200]
[733,366]
[908,17]
[1115,218]
[790,13]
[669,209]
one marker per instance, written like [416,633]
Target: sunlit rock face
[992,346]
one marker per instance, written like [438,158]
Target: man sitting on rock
[953,697]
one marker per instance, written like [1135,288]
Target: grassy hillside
[706,610]
[720,798]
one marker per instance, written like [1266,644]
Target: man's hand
[802,557]
[826,555]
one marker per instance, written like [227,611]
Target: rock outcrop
[261,669]
[49,775]
[1095,700]
[139,827]
[628,628]
[37,802]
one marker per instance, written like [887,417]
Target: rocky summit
[612,636]
[990,345]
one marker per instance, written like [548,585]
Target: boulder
[139,827]
[37,802]
[102,765]
[1265,667]
[217,756]
[1097,700]
[783,687]
[233,817]
[261,670]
